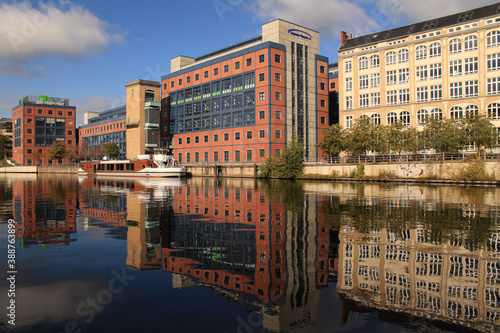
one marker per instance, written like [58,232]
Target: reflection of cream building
[409,273]
[447,66]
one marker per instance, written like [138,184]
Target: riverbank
[40,169]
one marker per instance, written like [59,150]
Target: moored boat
[161,165]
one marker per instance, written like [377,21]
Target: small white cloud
[95,103]
[65,29]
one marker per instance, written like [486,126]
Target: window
[277,133]
[237,65]
[391,77]
[493,86]
[422,115]
[404,75]
[403,56]
[422,94]
[348,102]
[262,134]
[471,88]
[188,140]
[374,61]
[435,71]
[323,120]
[205,157]
[456,67]
[277,77]
[205,138]
[196,77]
[348,83]
[421,73]
[188,79]
[277,114]
[237,135]
[375,119]
[29,130]
[470,43]
[392,97]
[262,96]
[404,116]
[205,74]
[375,80]
[348,122]
[363,100]
[226,136]
[226,68]
[249,62]
[322,69]
[277,58]
[322,86]
[455,46]
[363,82]
[226,156]
[437,113]
[216,156]
[390,58]
[434,50]
[180,82]
[493,62]
[494,111]
[216,137]
[404,96]
[456,112]
[249,135]
[375,99]
[436,92]
[392,117]
[262,114]
[421,52]
[188,157]
[470,112]
[52,112]
[493,38]
[277,95]
[261,58]
[456,90]
[322,103]
[332,85]
[363,63]
[471,66]
[348,66]
[262,153]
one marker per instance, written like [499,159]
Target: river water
[239,255]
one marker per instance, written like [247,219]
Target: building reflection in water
[245,244]
[44,209]
[436,261]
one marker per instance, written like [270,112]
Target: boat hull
[146,172]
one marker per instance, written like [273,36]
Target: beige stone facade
[142,96]
[448,66]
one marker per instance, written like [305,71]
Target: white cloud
[95,103]
[327,17]
[62,29]
[417,11]
[361,16]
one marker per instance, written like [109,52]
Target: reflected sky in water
[239,255]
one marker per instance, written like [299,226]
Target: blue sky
[87,50]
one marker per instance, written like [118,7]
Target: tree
[480,132]
[443,135]
[58,151]
[289,165]
[361,137]
[402,138]
[4,140]
[111,150]
[333,140]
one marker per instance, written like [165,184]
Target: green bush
[475,169]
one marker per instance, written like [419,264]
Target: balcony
[152,102]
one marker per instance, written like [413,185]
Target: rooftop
[445,21]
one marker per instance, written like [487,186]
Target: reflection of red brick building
[250,248]
[45,210]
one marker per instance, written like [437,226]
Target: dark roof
[401,32]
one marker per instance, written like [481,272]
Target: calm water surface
[115,255]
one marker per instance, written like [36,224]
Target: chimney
[343,37]
[350,35]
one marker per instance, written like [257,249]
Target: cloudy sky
[87,50]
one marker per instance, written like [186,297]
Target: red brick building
[39,122]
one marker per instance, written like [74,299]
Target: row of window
[470,43]
[102,128]
[456,112]
[237,156]
[50,112]
[465,89]
[237,137]
[237,66]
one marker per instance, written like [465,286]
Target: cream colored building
[448,66]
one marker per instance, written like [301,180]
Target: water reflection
[412,256]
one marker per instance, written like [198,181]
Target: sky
[88,50]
